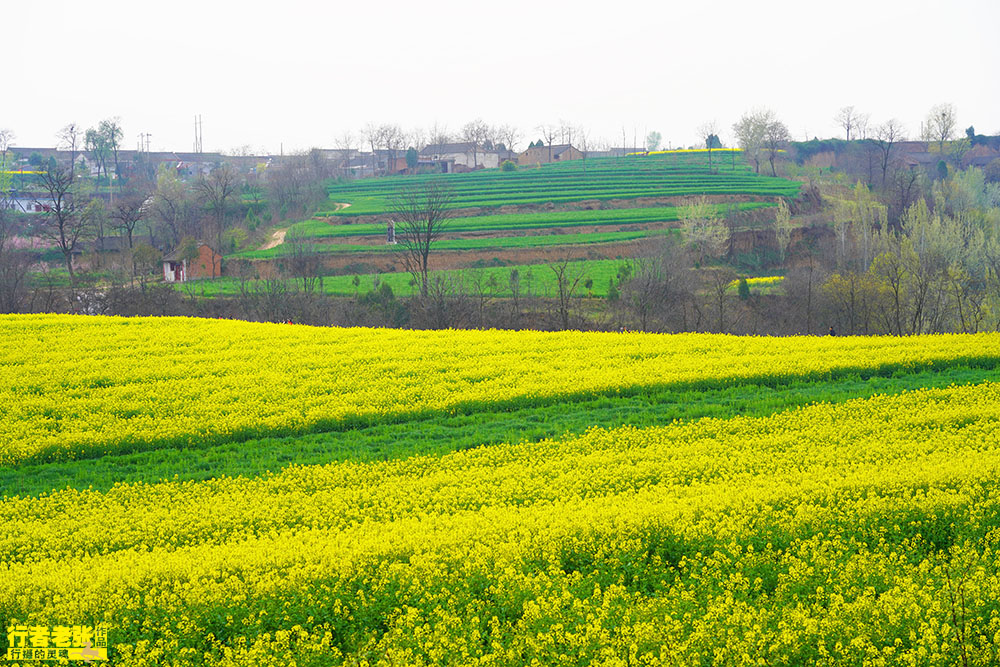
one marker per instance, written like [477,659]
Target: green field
[536,279]
[595,179]
[315,228]
[484,243]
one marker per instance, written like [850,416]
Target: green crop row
[489,243]
[535,279]
[605,178]
[314,228]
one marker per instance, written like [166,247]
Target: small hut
[206,263]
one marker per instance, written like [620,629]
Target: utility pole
[197,134]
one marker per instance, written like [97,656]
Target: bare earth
[278,237]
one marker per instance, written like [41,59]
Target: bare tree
[345,147]
[438,134]
[704,231]
[708,132]
[887,135]
[305,263]
[14,265]
[129,210]
[509,136]
[569,276]
[111,131]
[69,140]
[940,125]
[172,206]
[719,286]
[394,142]
[421,214]
[6,161]
[417,138]
[373,134]
[783,228]
[584,136]
[566,132]
[549,133]
[852,121]
[476,132]
[60,221]
[218,191]
[775,137]
[94,142]
[750,131]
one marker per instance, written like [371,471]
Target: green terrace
[595,179]
[480,243]
[535,279]
[322,228]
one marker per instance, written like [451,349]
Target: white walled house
[463,154]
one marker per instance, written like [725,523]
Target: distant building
[462,154]
[176,269]
[546,154]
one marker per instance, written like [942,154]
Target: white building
[463,154]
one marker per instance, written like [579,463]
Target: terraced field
[672,175]
[535,279]
[228,493]
[322,228]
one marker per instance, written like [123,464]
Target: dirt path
[277,238]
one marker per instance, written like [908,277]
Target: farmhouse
[546,154]
[465,154]
[207,264]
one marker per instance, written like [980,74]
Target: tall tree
[373,134]
[549,133]
[886,136]
[345,147]
[394,142]
[940,125]
[475,132]
[421,214]
[708,132]
[775,137]
[6,163]
[852,121]
[566,131]
[111,130]
[94,142]
[14,266]
[438,134]
[60,220]
[750,131]
[128,210]
[218,192]
[653,140]
[509,136]
[783,228]
[69,140]
[703,230]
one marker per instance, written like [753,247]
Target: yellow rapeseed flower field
[72,386]
[865,532]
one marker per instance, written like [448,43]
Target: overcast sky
[298,74]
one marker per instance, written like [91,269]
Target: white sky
[299,74]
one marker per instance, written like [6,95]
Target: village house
[207,264]
[546,154]
[465,155]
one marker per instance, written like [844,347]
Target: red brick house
[207,264]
